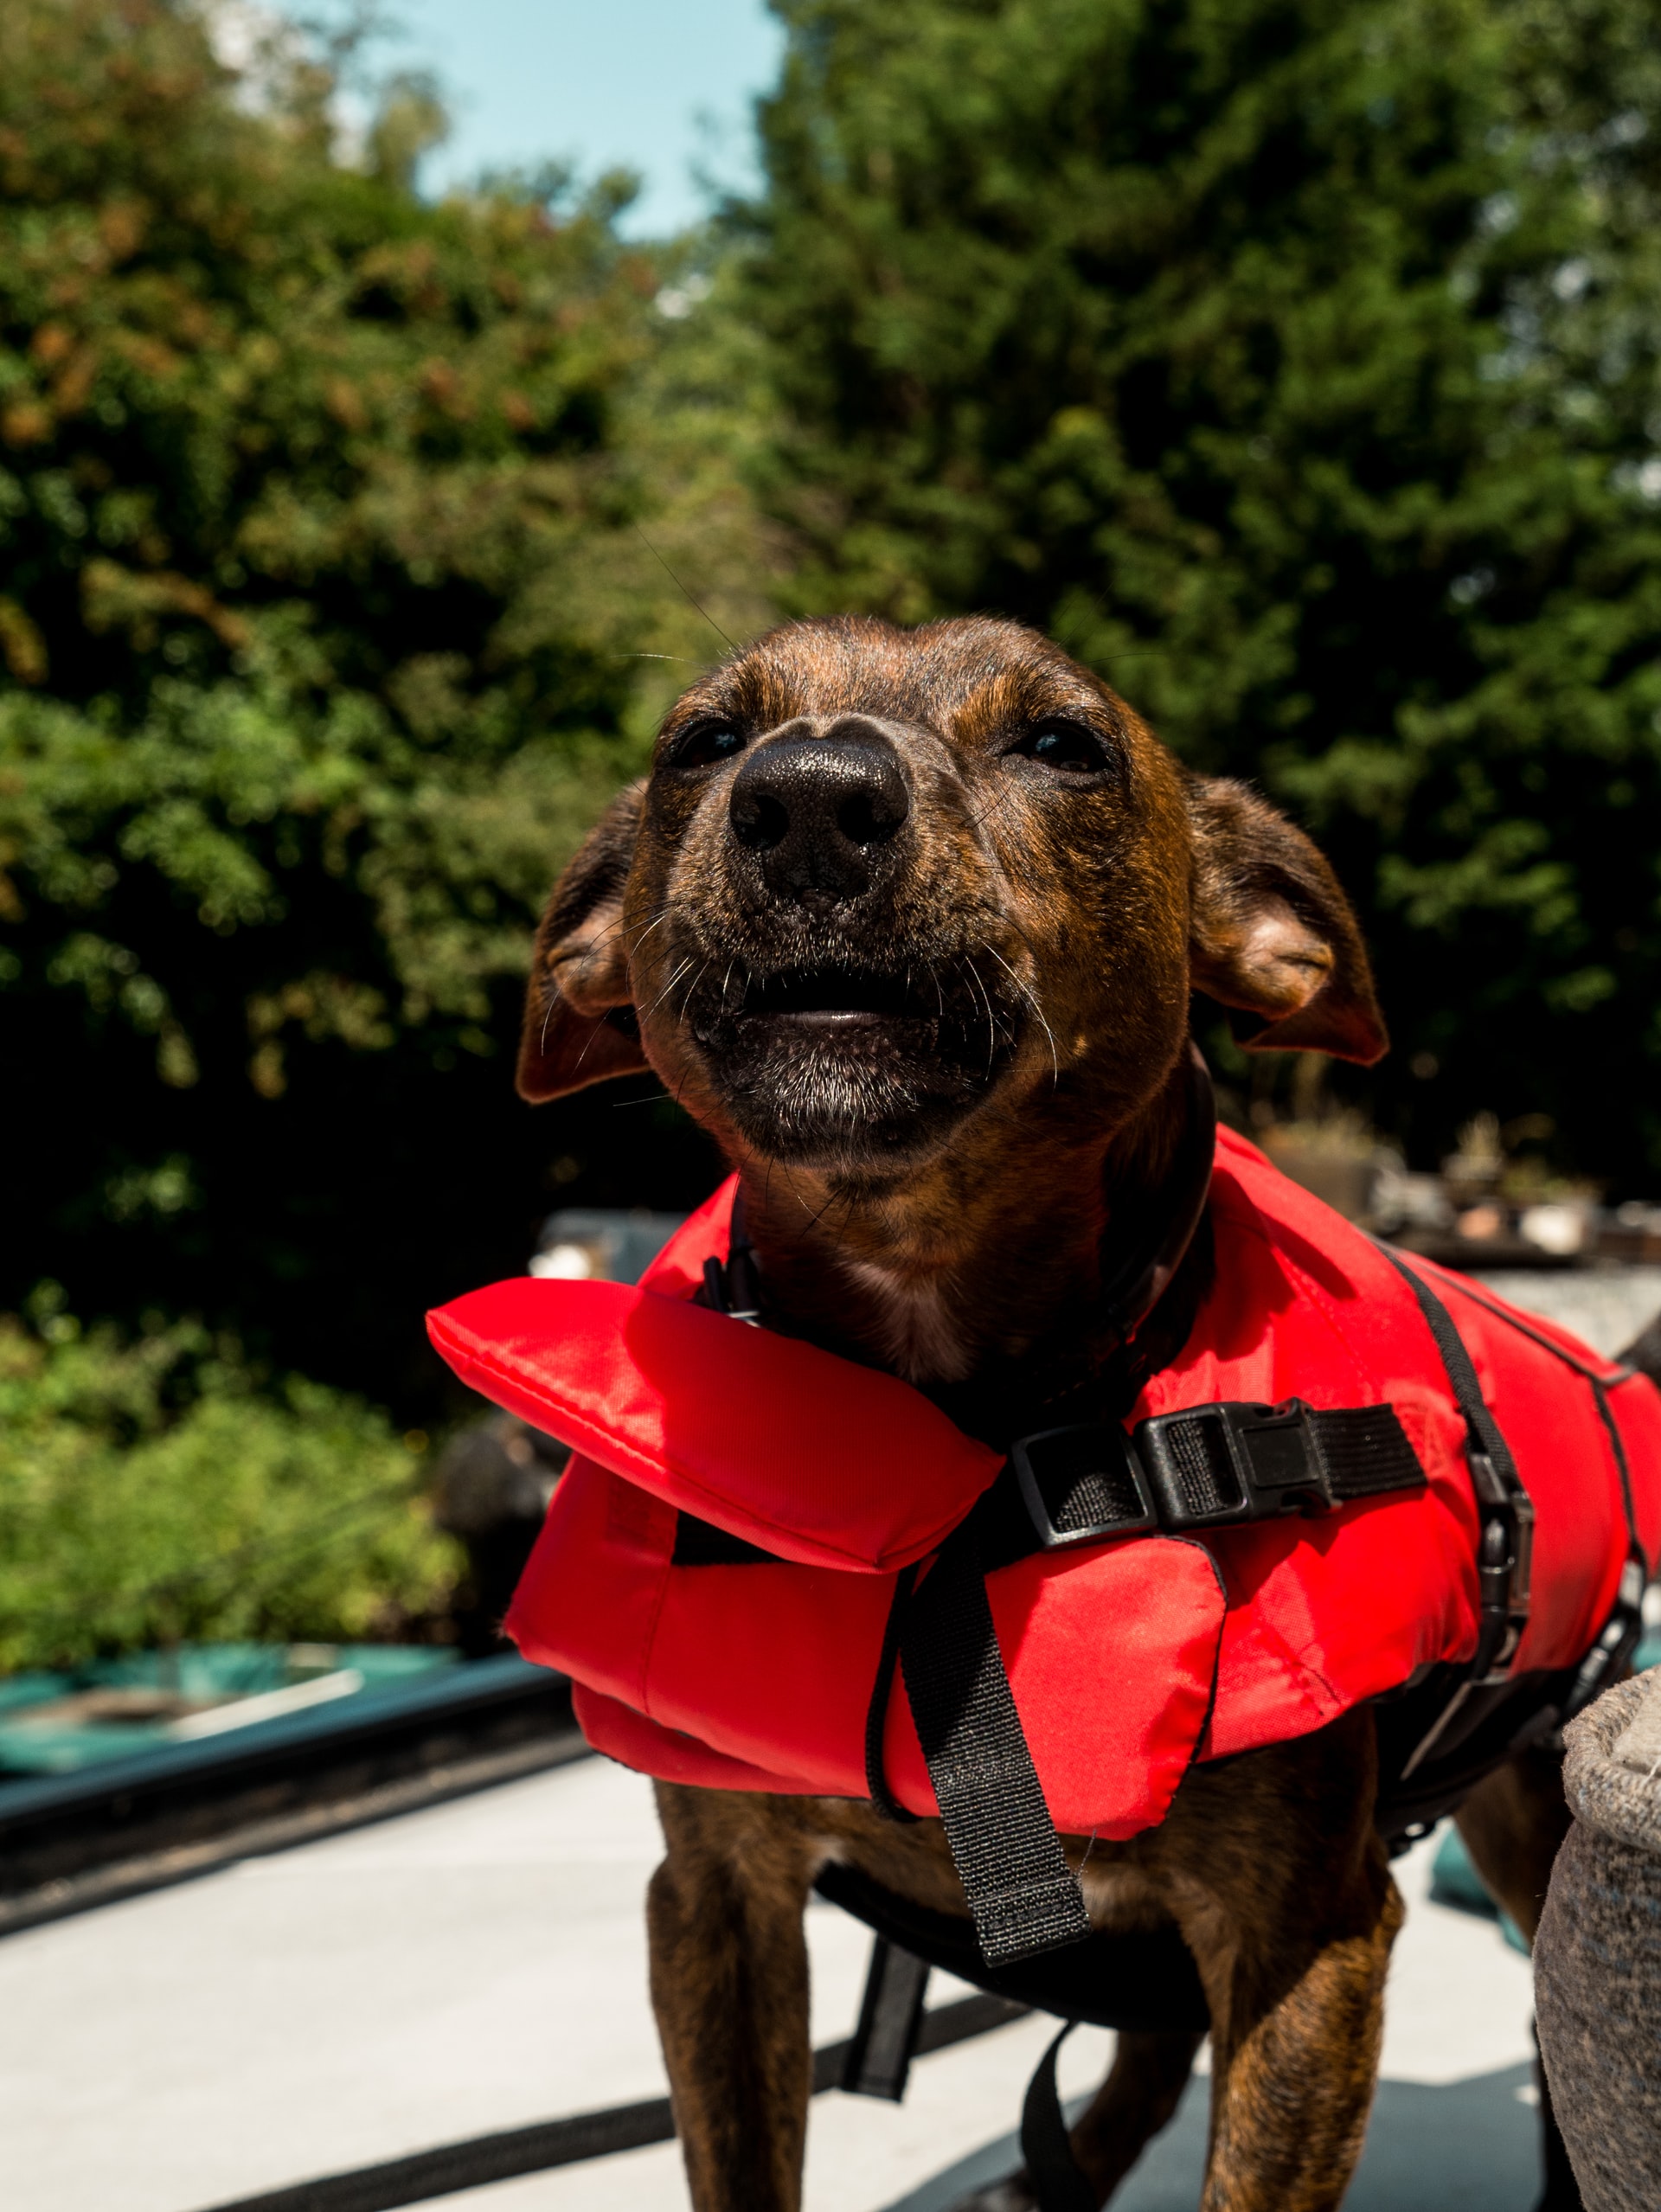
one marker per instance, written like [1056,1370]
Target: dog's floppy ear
[1273,933]
[580,1027]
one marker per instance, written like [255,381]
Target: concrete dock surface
[481,1966]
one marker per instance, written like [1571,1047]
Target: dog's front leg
[729,1988]
[1292,2085]
[1291,1914]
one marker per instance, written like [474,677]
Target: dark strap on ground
[485,2158]
[891,2020]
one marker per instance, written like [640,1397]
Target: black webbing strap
[1211,1466]
[1058,2181]
[1505,1550]
[1022,1896]
[876,1713]
[1208,1466]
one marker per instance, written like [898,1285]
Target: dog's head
[879,882]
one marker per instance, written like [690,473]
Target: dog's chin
[851,1075]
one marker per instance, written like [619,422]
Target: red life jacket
[1128,1658]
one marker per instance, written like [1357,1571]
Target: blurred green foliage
[1296,366]
[150,1494]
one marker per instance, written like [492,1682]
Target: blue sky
[656,85]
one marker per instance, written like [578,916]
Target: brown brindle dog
[908,921]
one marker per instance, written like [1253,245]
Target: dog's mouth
[843,1061]
[838,996]
[932,1007]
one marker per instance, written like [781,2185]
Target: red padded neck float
[1128,1657]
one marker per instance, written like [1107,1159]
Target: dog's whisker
[656,923]
[1031,997]
[991,1032]
[686,996]
[667,988]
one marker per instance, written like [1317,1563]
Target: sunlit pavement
[481,1965]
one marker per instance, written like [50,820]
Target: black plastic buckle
[1504,1567]
[1081,1484]
[1215,1466]
[1622,1633]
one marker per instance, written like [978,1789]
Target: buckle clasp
[1215,1466]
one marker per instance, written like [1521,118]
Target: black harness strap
[1505,1549]
[1023,1896]
[1206,1467]
[1058,2180]
[876,1713]
[1504,1556]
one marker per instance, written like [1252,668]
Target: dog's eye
[1066,746]
[704,744]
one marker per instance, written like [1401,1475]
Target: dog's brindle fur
[908,921]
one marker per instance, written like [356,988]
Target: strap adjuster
[1082,1485]
[1504,1566]
[1216,1466]
[1213,1467]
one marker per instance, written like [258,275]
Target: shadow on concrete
[1458,2146]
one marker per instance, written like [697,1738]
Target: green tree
[1297,367]
[318,599]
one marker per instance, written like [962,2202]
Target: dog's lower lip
[839,996]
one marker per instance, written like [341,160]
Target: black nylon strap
[1023,1896]
[1366,1451]
[1504,1559]
[1212,1466]
[1193,1469]
[1460,1373]
[876,1713]
[1058,2181]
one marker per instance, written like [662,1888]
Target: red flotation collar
[1128,1658]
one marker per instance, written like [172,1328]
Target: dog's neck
[970,1261]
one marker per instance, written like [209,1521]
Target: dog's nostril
[759,820]
[871,816]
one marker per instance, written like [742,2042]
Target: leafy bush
[150,1494]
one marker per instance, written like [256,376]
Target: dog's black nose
[817,809]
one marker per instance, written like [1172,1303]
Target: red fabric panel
[767,1670]
[634,1740]
[1323,1613]
[678,1270]
[768,1438]
[587,1600]
[773,1666]
[1111,1657]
